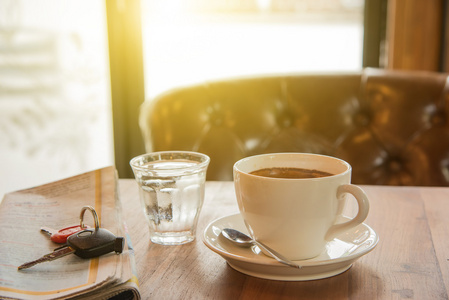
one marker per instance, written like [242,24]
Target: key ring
[94,214]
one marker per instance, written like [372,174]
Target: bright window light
[192,41]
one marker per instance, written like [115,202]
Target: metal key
[60,236]
[88,243]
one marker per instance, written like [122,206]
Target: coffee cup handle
[362,213]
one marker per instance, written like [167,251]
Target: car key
[88,243]
[60,236]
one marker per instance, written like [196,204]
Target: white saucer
[338,256]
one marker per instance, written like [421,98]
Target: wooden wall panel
[414,34]
[445,55]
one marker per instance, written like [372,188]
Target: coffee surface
[290,173]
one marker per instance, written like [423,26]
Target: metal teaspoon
[243,240]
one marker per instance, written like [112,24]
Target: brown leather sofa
[391,126]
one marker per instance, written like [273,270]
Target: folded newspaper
[57,205]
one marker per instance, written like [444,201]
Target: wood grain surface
[411,260]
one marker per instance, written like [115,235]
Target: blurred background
[74,73]
[55,108]
[191,41]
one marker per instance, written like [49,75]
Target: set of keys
[80,240]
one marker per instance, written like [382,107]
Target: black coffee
[290,173]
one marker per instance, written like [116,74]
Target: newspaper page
[58,205]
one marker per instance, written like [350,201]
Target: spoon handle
[279,257]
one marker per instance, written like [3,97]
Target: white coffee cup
[298,216]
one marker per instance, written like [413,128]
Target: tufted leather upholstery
[391,126]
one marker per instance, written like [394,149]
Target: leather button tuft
[216,120]
[361,119]
[216,116]
[438,118]
[285,120]
[376,97]
[395,165]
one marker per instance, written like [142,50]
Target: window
[54,91]
[190,41]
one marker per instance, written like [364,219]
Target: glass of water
[171,192]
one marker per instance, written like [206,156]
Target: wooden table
[411,260]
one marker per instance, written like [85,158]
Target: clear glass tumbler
[172,193]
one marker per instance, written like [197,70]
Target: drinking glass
[171,193]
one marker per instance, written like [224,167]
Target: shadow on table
[358,281]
